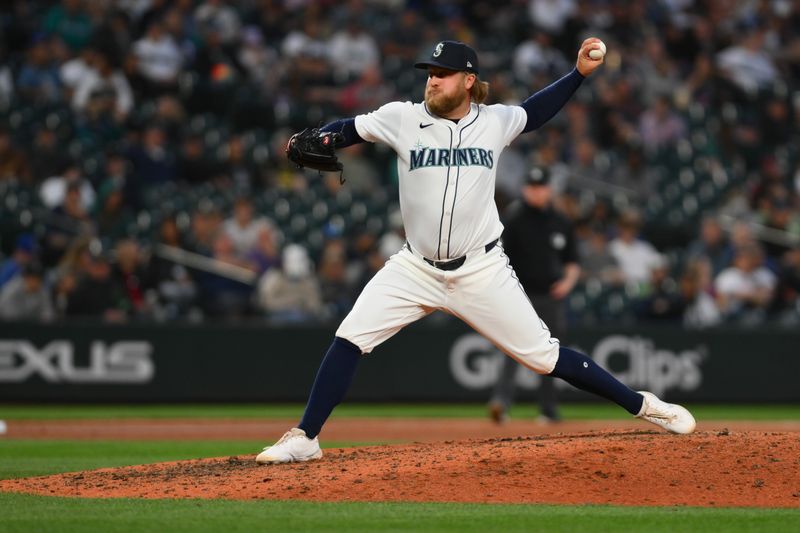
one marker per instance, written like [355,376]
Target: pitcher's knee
[540,360]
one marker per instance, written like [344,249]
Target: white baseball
[598,53]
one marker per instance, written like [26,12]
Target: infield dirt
[626,467]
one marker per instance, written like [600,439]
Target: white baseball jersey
[447,182]
[447,171]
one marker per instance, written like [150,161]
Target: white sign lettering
[117,362]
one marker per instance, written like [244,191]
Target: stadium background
[114,197]
[144,184]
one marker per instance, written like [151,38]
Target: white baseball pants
[484,292]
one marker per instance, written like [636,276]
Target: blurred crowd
[142,172]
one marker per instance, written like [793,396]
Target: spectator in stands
[223,295]
[583,163]
[307,54]
[205,224]
[130,273]
[635,175]
[292,293]
[180,24]
[244,227]
[73,71]
[265,253]
[171,115]
[261,62]
[158,60]
[218,73]
[657,72]
[38,82]
[113,215]
[47,156]
[663,302]
[596,260]
[23,254]
[152,11]
[698,88]
[337,293]
[352,51]
[241,172]
[536,59]
[153,161]
[193,165]
[364,93]
[660,127]
[13,161]
[26,297]
[551,15]
[65,222]
[97,294]
[696,290]
[781,217]
[53,190]
[402,44]
[745,289]
[787,292]
[106,87]
[711,244]
[742,236]
[635,256]
[219,15]
[175,288]
[746,64]
[70,22]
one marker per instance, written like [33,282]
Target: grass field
[21,458]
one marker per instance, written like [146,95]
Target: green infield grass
[570,411]
[29,513]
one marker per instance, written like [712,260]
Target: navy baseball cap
[452,55]
[538,176]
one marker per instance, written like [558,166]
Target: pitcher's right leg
[395,297]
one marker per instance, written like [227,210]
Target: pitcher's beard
[443,104]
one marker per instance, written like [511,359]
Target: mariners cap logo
[452,55]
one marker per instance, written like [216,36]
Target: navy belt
[453,264]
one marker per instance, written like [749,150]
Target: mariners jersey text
[450,157]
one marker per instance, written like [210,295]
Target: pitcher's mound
[720,468]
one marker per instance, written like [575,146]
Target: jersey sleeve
[383,124]
[511,120]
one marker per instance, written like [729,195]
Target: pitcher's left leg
[490,299]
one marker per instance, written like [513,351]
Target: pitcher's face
[445,90]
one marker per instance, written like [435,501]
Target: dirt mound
[375,430]
[720,468]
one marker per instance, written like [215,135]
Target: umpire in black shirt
[540,243]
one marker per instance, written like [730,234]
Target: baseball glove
[315,149]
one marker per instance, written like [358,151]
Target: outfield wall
[195,363]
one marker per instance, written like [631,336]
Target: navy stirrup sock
[333,379]
[580,371]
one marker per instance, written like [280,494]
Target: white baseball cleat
[293,447]
[669,416]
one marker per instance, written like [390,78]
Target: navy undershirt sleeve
[543,105]
[347,127]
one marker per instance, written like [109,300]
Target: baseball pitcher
[447,151]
